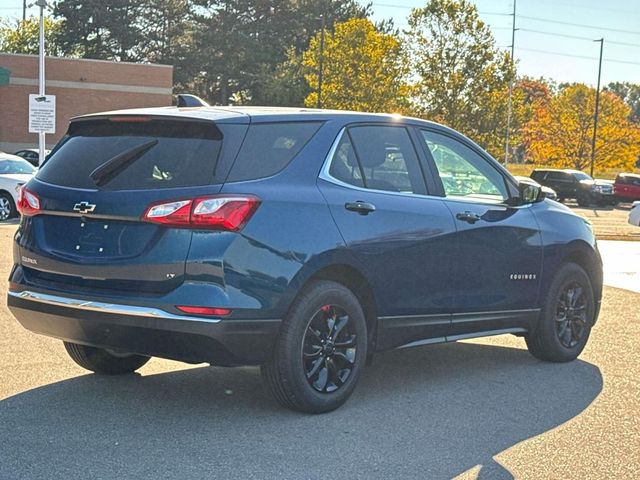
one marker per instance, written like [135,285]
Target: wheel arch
[346,273]
[589,260]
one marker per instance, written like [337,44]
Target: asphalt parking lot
[479,409]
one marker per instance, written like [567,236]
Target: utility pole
[321,61]
[24,10]
[511,79]
[595,115]
[41,90]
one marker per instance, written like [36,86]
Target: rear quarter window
[269,147]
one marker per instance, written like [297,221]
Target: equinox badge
[84,207]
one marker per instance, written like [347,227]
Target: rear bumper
[145,330]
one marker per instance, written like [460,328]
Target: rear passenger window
[379,158]
[269,147]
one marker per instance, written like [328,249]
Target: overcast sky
[559,56]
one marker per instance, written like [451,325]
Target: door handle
[468,217]
[363,208]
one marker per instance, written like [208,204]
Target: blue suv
[299,240]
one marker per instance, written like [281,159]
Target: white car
[634,214]
[14,172]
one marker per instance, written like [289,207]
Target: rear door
[402,238]
[498,247]
[89,234]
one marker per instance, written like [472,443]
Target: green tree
[460,71]
[560,132]
[363,69]
[252,46]
[630,93]
[23,36]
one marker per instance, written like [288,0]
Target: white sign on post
[42,114]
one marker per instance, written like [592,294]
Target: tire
[583,201]
[309,371]
[101,361]
[7,207]
[550,341]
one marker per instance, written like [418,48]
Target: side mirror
[529,192]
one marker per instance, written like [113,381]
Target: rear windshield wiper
[116,165]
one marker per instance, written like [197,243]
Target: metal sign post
[41,136]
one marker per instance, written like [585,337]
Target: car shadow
[434,412]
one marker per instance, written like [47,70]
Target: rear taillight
[28,202]
[225,212]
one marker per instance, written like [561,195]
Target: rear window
[178,154]
[538,175]
[269,147]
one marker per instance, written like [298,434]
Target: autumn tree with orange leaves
[560,132]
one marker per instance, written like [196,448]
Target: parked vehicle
[576,185]
[299,240]
[14,172]
[548,192]
[627,187]
[31,155]
[634,214]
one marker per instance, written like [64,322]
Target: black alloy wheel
[571,315]
[329,349]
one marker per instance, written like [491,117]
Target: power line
[585,57]
[564,35]
[411,7]
[601,9]
[538,19]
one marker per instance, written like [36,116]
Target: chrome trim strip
[326,166]
[118,309]
[487,333]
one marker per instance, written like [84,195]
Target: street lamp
[595,114]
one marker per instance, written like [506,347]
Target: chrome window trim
[326,166]
[114,308]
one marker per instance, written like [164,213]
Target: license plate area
[97,238]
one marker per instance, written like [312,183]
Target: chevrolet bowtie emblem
[84,207]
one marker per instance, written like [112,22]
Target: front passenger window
[463,172]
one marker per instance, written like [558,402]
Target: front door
[499,255]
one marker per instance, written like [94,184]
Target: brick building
[80,86]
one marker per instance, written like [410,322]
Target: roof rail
[187,100]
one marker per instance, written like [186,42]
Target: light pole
[595,115]
[321,61]
[511,79]
[41,90]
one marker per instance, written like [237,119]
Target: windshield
[8,167]
[582,176]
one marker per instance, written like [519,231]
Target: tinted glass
[344,165]
[582,176]
[269,147]
[8,167]
[538,175]
[464,173]
[387,159]
[185,154]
